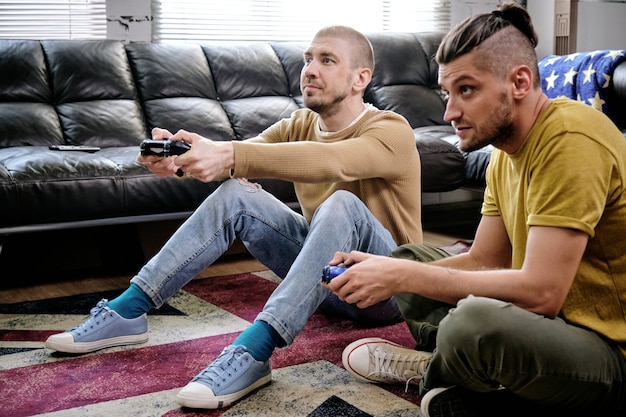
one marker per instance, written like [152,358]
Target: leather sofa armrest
[617,97]
[443,165]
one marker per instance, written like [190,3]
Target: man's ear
[363,79]
[522,79]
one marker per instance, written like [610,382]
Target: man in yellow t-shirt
[531,321]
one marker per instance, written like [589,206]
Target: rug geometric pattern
[308,378]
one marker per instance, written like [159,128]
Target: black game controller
[163,148]
[329,272]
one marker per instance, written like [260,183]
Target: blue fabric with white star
[582,76]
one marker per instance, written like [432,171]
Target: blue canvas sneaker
[104,328]
[232,376]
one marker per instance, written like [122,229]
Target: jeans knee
[340,198]
[238,185]
[339,202]
[235,194]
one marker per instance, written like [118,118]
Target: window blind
[53,19]
[296,20]
[223,20]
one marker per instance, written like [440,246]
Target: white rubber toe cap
[197,395]
[60,341]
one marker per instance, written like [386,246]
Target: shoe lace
[400,367]
[95,314]
[229,362]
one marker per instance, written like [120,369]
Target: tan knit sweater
[375,158]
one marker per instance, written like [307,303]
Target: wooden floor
[230,264]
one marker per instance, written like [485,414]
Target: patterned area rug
[186,335]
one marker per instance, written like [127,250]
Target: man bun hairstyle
[503,38]
[518,17]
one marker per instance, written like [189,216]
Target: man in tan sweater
[356,173]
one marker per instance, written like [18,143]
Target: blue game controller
[329,272]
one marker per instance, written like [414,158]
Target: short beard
[499,129]
[326,109]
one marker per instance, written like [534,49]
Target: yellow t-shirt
[571,173]
[375,158]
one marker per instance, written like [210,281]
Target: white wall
[462,9]
[601,25]
[542,15]
[129,21]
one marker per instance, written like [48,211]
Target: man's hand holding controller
[363,285]
[337,266]
[156,154]
[331,271]
[164,148]
[187,153]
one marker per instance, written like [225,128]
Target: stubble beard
[323,107]
[497,130]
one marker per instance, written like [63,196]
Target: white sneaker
[378,360]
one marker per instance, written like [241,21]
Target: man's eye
[466,89]
[327,60]
[307,60]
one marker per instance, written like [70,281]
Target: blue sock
[260,339]
[132,303]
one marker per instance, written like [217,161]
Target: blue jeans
[283,241]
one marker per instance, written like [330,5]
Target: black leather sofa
[108,94]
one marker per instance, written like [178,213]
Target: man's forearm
[464,261]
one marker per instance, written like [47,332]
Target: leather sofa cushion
[27,113]
[443,166]
[405,77]
[255,95]
[52,186]
[178,96]
[94,93]
[475,162]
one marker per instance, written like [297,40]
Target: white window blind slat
[53,19]
[223,20]
[271,20]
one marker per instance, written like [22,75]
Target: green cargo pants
[547,366]
[421,314]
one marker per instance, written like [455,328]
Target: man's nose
[310,70]
[452,111]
